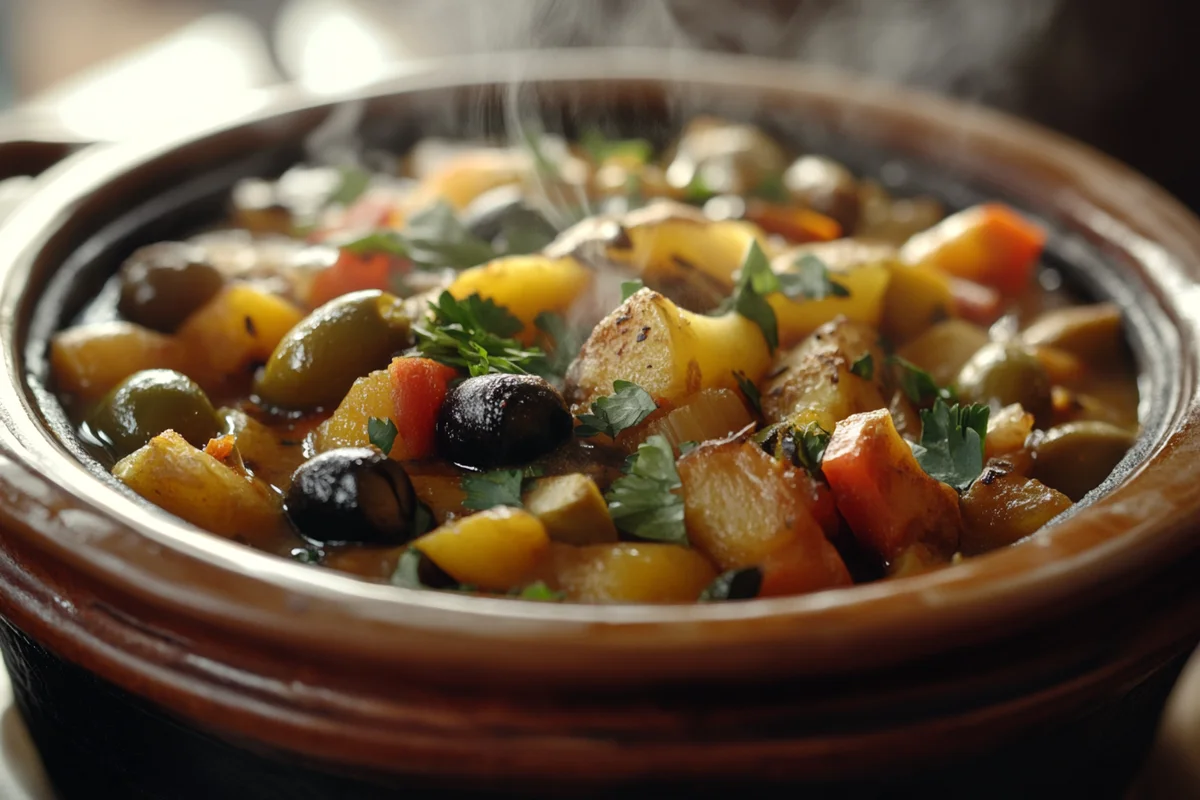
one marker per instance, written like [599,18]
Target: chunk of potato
[89,360]
[369,396]
[465,176]
[1007,431]
[194,486]
[526,286]
[917,297]
[945,348]
[496,550]
[572,509]
[629,572]
[669,352]
[262,451]
[813,382]
[709,414]
[236,331]
[742,507]
[1003,507]
[867,281]
[889,502]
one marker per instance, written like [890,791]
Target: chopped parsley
[801,447]
[626,407]
[541,592]
[749,390]
[644,502]
[501,487]
[736,584]
[352,183]
[917,384]
[475,334]
[951,446]
[566,339]
[389,242]
[864,367]
[381,433]
[600,148]
[809,278]
[435,238]
[630,288]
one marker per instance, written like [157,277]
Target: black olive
[353,495]
[505,219]
[161,284]
[491,420]
[736,584]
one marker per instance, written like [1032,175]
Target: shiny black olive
[492,420]
[504,218]
[161,284]
[353,495]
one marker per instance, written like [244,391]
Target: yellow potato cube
[497,550]
[631,573]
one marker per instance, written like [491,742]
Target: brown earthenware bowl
[167,662]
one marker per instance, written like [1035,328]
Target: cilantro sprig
[801,447]
[952,439]
[644,503]
[627,406]
[864,366]
[808,279]
[917,384]
[630,288]
[382,433]
[484,490]
[476,335]
[749,390]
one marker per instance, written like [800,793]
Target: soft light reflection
[200,74]
[328,46]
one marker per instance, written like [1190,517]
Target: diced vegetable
[352,272]
[441,493]
[235,332]
[708,414]
[572,509]
[866,284]
[795,224]
[989,244]
[741,507]
[264,453]
[669,352]
[1003,507]
[917,297]
[1007,431]
[496,550]
[802,566]
[630,572]
[369,397]
[467,175]
[886,498]
[814,382]
[945,348]
[526,286]
[418,388]
[975,302]
[89,360]
[191,484]
[1061,366]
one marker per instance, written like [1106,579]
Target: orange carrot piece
[990,244]
[351,272]
[220,447]
[418,389]
[804,565]
[976,302]
[798,225]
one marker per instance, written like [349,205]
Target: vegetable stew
[595,371]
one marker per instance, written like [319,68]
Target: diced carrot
[797,225]
[888,501]
[418,390]
[351,272]
[976,302]
[990,244]
[820,502]
[804,565]
[220,447]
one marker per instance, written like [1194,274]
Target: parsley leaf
[643,503]
[809,279]
[917,384]
[803,447]
[352,183]
[630,288]
[698,191]
[541,592]
[501,487]
[600,148]
[687,447]
[951,447]
[864,367]
[390,242]
[772,189]
[755,279]
[382,433]
[753,396]
[627,406]
[524,231]
[475,334]
[437,238]
[566,338]
[735,584]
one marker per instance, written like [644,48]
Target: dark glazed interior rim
[1146,518]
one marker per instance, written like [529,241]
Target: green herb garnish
[630,288]
[437,238]
[381,433]
[809,279]
[951,446]
[736,584]
[687,447]
[917,384]
[475,334]
[501,487]
[864,367]
[566,338]
[389,242]
[749,390]
[810,443]
[541,592]
[643,503]
[352,183]
[600,148]
[772,189]
[627,406]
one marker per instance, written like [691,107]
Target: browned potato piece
[261,449]
[89,360]
[572,509]
[1002,508]
[741,507]
[945,348]
[1007,431]
[628,572]
[813,382]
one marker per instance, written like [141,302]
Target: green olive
[1092,333]
[161,284]
[1004,373]
[149,402]
[1076,457]
[318,360]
